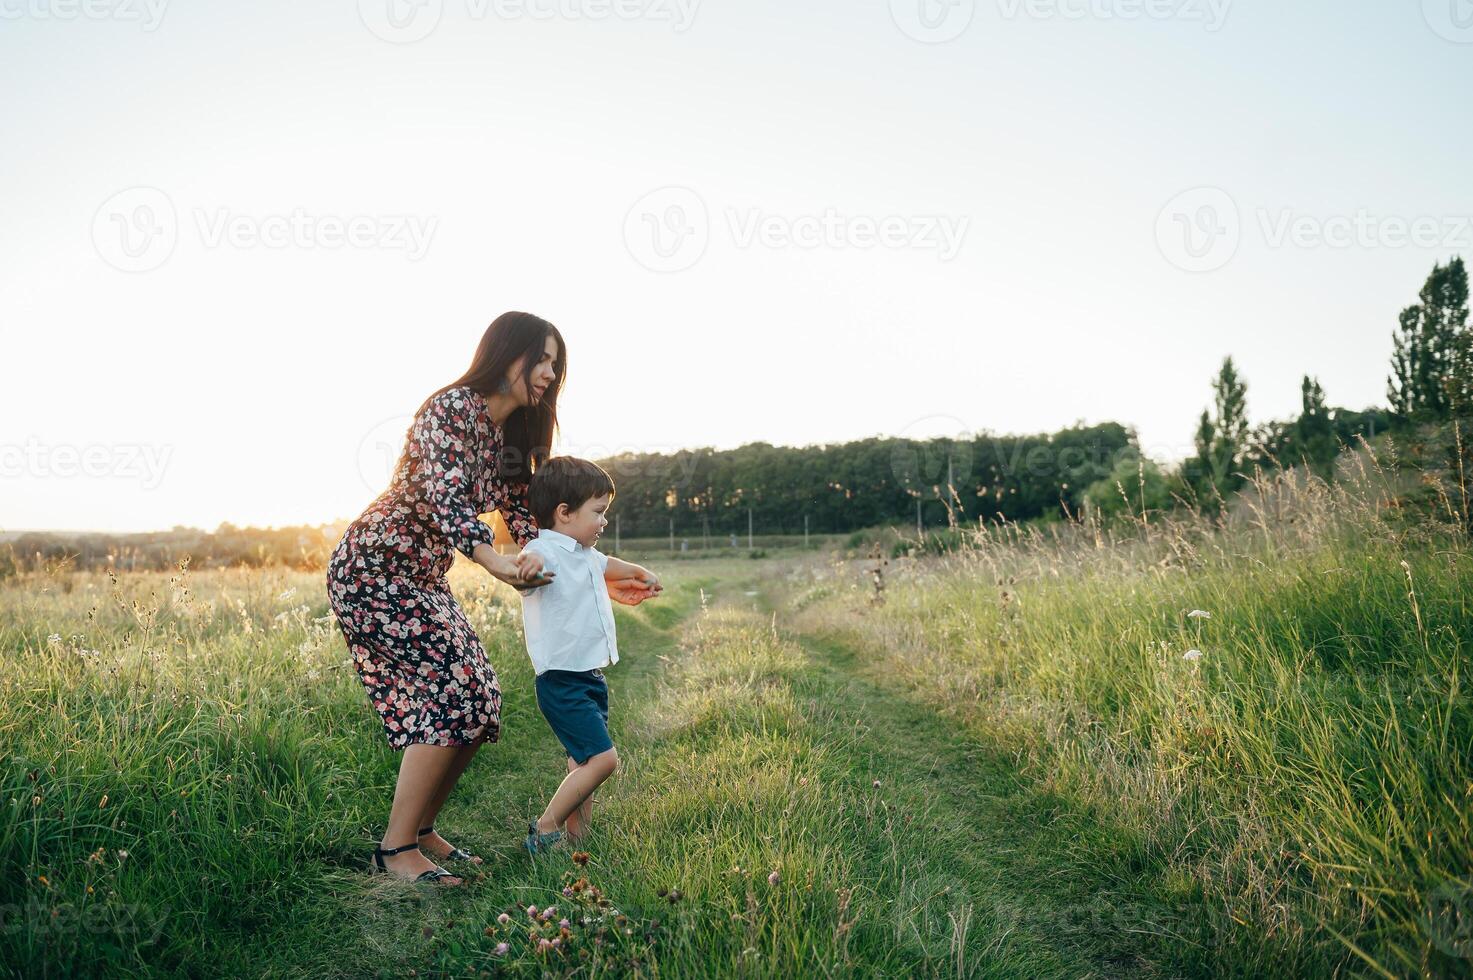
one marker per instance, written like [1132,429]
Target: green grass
[1310,777]
[997,765]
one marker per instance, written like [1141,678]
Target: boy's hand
[633,591]
[529,567]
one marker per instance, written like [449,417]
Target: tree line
[1431,382]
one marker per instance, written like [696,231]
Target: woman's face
[544,373]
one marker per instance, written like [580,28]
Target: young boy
[569,625]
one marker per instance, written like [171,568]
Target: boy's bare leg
[578,819]
[577,786]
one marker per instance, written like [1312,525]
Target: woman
[471,448]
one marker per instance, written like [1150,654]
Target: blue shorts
[576,706]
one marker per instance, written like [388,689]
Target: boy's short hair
[565,480]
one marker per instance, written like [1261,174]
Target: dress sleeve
[443,439]
[513,510]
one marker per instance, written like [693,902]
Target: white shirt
[569,623]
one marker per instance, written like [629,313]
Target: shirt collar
[565,541]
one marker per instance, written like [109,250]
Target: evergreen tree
[1431,357]
[1314,435]
[1222,436]
[1196,473]
[1230,426]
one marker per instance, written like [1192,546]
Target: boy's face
[587,522]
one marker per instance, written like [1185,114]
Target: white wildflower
[287,594]
[1199,614]
[1192,655]
[54,638]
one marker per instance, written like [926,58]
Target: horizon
[7,533]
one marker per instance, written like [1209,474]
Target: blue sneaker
[538,842]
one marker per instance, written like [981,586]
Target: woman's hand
[522,572]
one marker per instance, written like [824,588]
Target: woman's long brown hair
[528,431]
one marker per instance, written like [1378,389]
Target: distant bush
[1134,486]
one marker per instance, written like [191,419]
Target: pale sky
[876,218]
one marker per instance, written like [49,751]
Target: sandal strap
[427,830]
[434,875]
[397,850]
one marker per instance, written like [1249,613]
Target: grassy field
[1000,762]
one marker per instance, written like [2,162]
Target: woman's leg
[421,771]
[434,843]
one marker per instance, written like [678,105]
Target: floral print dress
[423,665]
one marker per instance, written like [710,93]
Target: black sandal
[379,853]
[456,854]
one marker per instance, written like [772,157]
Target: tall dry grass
[1271,704]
